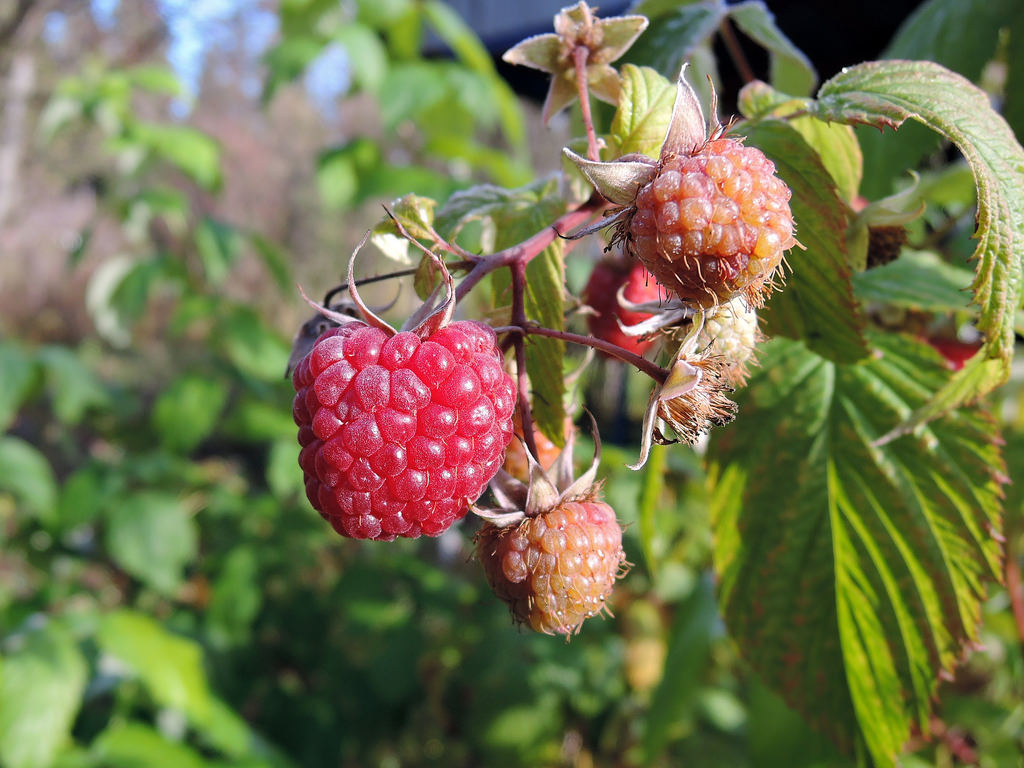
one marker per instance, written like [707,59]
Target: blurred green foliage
[169,598]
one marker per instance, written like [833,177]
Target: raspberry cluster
[556,569]
[399,434]
[713,225]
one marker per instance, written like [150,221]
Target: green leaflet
[645,107]
[961,35]
[886,94]
[852,574]
[816,303]
[916,280]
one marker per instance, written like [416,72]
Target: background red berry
[601,293]
[713,225]
[399,434]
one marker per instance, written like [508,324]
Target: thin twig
[732,45]
[642,364]
[580,60]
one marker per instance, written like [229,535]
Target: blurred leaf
[260,421]
[288,59]
[274,259]
[689,644]
[282,478]
[674,35]
[236,596]
[194,153]
[168,665]
[251,346]
[817,303]
[18,374]
[156,79]
[382,13]
[645,106]
[958,34]
[366,55]
[83,497]
[60,112]
[187,411]
[219,244]
[72,386]
[791,71]
[134,745]
[42,679]
[339,170]
[470,51]
[851,574]
[26,473]
[887,94]
[153,537]
[917,280]
[411,87]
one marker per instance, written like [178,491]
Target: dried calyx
[692,399]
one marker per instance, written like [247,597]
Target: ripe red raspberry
[399,434]
[712,225]
[556,569]
[601,294]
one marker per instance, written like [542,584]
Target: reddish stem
[732,45]
[653,370]
[527,250]
[580,55]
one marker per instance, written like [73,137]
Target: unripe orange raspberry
[556,569]
[713,225]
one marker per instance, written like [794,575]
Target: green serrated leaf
[852,574]
[791,70]
[645,107]
[917,280]
[153,537]
[675,34]
[168,665]
[41,684]
[507,215]
[888,93]
[816,303]
[545,299]
[416,214]
[958,34]
[26,473]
